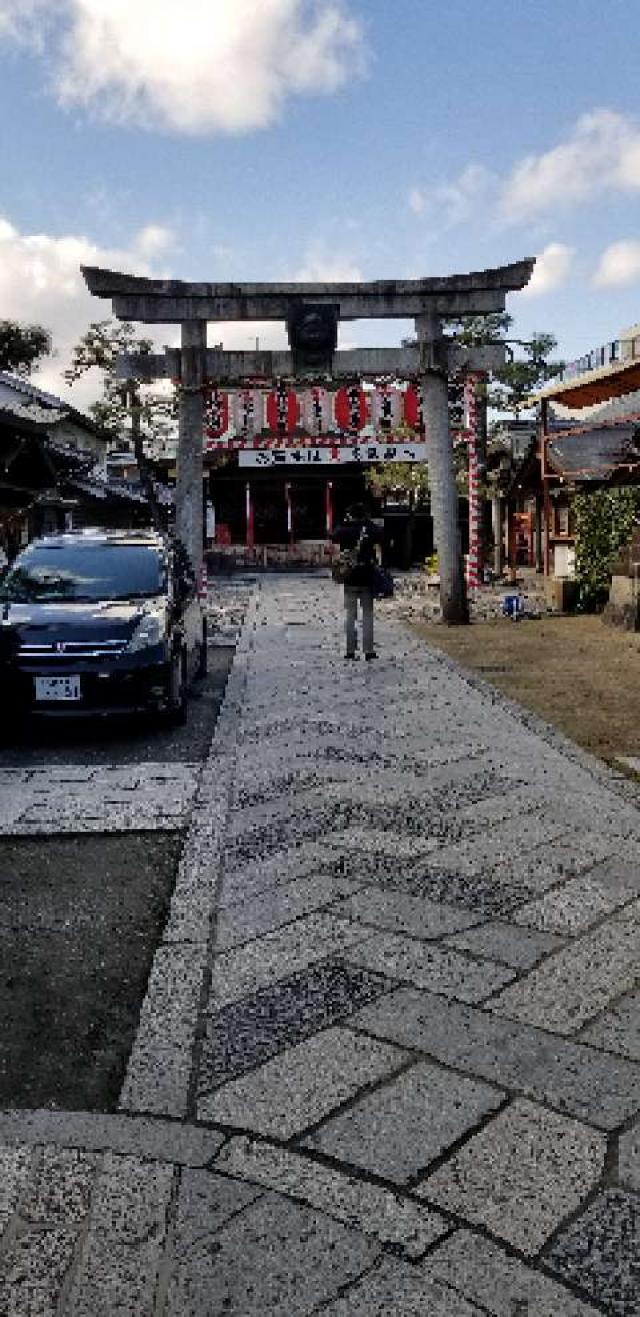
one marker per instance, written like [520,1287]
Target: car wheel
[201,670]
[176,714]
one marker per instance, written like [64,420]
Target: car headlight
[149,632]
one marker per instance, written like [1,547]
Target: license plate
[57,688]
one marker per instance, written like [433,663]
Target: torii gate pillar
[189,498]
[442,480]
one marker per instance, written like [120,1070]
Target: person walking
[358,538]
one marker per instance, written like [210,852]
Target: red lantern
[351,409]
[413,409]
[386,409]
[282,411]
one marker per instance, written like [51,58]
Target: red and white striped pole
[475,504]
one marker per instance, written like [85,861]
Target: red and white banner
[319,416]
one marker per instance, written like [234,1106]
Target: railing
[618,351]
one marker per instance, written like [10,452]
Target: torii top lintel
[172,301]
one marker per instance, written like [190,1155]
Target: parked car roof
[99,535]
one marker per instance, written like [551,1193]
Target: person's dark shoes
[370,656]
[351,656]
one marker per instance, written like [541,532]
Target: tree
[514,382]
[406,481]
[124,409]
[22,346]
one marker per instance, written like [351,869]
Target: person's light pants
[353,593]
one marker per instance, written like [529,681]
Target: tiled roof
[597,452]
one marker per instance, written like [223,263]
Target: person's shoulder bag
[381,583]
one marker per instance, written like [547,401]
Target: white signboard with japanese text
[336,456]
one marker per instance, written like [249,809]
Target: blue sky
[266,139]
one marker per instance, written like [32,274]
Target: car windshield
[56,572]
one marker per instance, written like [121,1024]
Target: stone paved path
[389,1060]
[42,802]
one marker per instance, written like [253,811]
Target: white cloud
[40,281]
[199,66]
[552,269]
[455,201]
[318,268]
[601,153]
[619,264]
[154,240]
[24,20]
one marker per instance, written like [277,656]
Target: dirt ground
[575,672]
[80,919]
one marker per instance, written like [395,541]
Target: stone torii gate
[312,312]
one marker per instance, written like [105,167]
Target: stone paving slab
[394,1288]
[582,901]
[399,912]
[399,1129]
[382,1213]
[618,1029]
[570,1077]
[247,920]
[44,802]
[247,1033]
[521,1175]
[629,1158]
[278,954]
[575,984]
[502,1284]
[157,1140]
[272,1258]
[600,1251]
[298,1088]
[505,942]
[439,969]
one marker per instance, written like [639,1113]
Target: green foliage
[406,481]
[514,382]
[22,346]
[99,349]
[474,331]
[604,521]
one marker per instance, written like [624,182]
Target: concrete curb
[159,1070]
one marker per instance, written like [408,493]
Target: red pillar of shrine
[287,490]
[249,516]
[329,508]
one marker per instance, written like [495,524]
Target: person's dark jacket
[347,536]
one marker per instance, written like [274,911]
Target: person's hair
[357,512]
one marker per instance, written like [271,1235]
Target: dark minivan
[98,622]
